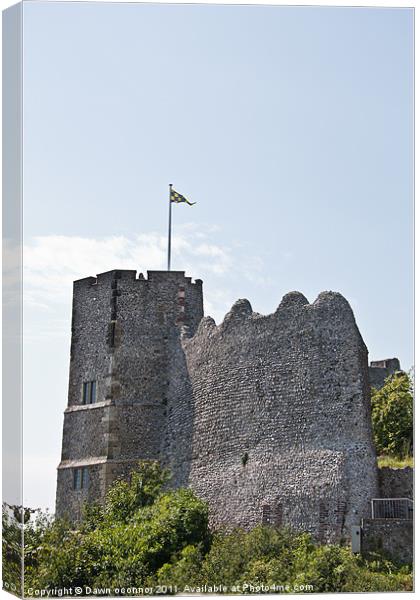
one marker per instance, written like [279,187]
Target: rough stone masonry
[266,417]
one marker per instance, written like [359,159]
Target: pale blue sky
[291,127]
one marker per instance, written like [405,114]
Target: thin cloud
[52,263]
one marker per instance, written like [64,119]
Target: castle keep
[265,417]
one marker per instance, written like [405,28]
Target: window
[92,392]
[85,478]
[89,392]
[80,478]
[85,392]
[77,479]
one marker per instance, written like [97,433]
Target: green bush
[125,542]
[11,548]
[392,416]
[145,535]
[262,555]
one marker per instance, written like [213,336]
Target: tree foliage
[22,532]
[146,535]
[392,416]
[125,541]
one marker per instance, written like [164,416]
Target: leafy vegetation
[145,535]
[392,416]
[11,548]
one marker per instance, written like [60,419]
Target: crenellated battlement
[128,275]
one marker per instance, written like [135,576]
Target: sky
[290,127]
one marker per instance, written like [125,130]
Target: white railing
[392,508]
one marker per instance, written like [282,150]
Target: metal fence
[392,508]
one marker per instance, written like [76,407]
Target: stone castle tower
[124,330]
[265,417]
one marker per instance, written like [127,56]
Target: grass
[395,463]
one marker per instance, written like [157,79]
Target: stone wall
[124,332]
[281,417]
[84,433]
[396,483]
[392,536]
[379,370]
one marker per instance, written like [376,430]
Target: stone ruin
[266,417]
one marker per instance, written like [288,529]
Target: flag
[175,197]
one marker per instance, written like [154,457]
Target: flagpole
[169,228]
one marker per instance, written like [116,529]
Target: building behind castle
[265,417]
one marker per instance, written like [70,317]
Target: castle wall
[84,433]
[177,443]
[281,417]
[266,417]
[379,370]
[123,329]
[396,483]
[392,536]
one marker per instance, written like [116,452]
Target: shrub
[146,536]
[392,416]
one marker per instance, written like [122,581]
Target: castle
[266,417]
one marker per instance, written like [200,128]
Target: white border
[385,3]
